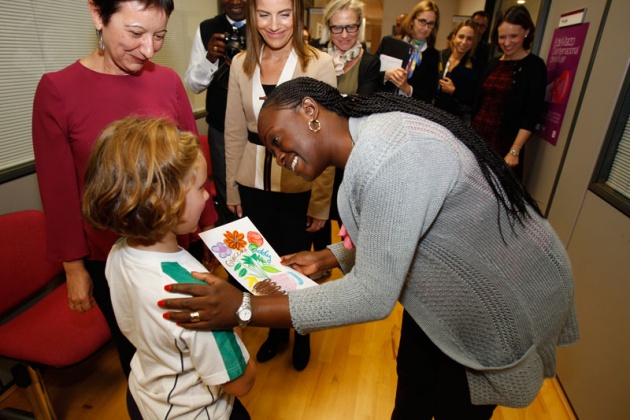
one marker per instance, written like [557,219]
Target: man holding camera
[216,41]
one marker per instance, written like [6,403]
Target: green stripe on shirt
[226,340]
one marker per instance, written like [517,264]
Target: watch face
[245,314]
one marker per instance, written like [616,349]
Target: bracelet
[515,152]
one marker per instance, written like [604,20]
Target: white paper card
[249,258]
[389,62]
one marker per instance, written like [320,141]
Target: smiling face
[423,24]
[274,21]
[132,36]
[344,41]
[196,198]
[511,39]
[463,39]
[235,9]
[285,133]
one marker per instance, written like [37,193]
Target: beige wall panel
[595,373]
[543,160]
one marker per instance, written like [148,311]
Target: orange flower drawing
[235,240]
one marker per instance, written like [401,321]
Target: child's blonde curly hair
[137,177]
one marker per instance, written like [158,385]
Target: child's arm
[212,367]
[244,383]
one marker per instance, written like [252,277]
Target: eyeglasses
[425,23]
[349,28]
[479,25]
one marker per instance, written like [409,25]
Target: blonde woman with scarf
[418,75]
[357,72]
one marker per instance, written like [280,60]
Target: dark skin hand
[218,301]
[217,304]
[216,41]
[309,263]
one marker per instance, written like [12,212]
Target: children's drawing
[247,256]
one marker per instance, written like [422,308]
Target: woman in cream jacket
[282,205]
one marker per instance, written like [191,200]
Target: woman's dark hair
[515,15]
[507,190]
[481,13]
[107,8]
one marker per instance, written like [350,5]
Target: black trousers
[281,218]
[430,384]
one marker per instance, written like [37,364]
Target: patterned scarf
[341,59]
[416,55]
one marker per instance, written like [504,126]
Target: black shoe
[272,344]
[301,351]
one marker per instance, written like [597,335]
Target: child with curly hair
[144,181]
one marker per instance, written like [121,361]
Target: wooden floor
[351,375]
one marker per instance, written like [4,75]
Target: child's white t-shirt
[175,372]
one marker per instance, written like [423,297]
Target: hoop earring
[317,124]
[101,45]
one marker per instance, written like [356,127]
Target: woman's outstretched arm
[217,303]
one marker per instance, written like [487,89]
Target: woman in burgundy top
[70,109]
[513,90]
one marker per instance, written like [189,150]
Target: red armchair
[37,328]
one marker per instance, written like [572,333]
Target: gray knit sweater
[424,222]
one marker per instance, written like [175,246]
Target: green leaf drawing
[270,269]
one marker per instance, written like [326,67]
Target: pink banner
[562,63]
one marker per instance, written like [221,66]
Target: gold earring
[317,124]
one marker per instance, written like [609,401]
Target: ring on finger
[214,48]
[194,317]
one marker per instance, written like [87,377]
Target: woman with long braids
[433,219]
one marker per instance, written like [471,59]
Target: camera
[234,43]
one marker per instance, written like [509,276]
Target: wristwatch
[244,311]
[515,152]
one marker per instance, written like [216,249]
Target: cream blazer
[244,160]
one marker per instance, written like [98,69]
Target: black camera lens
[234,43]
